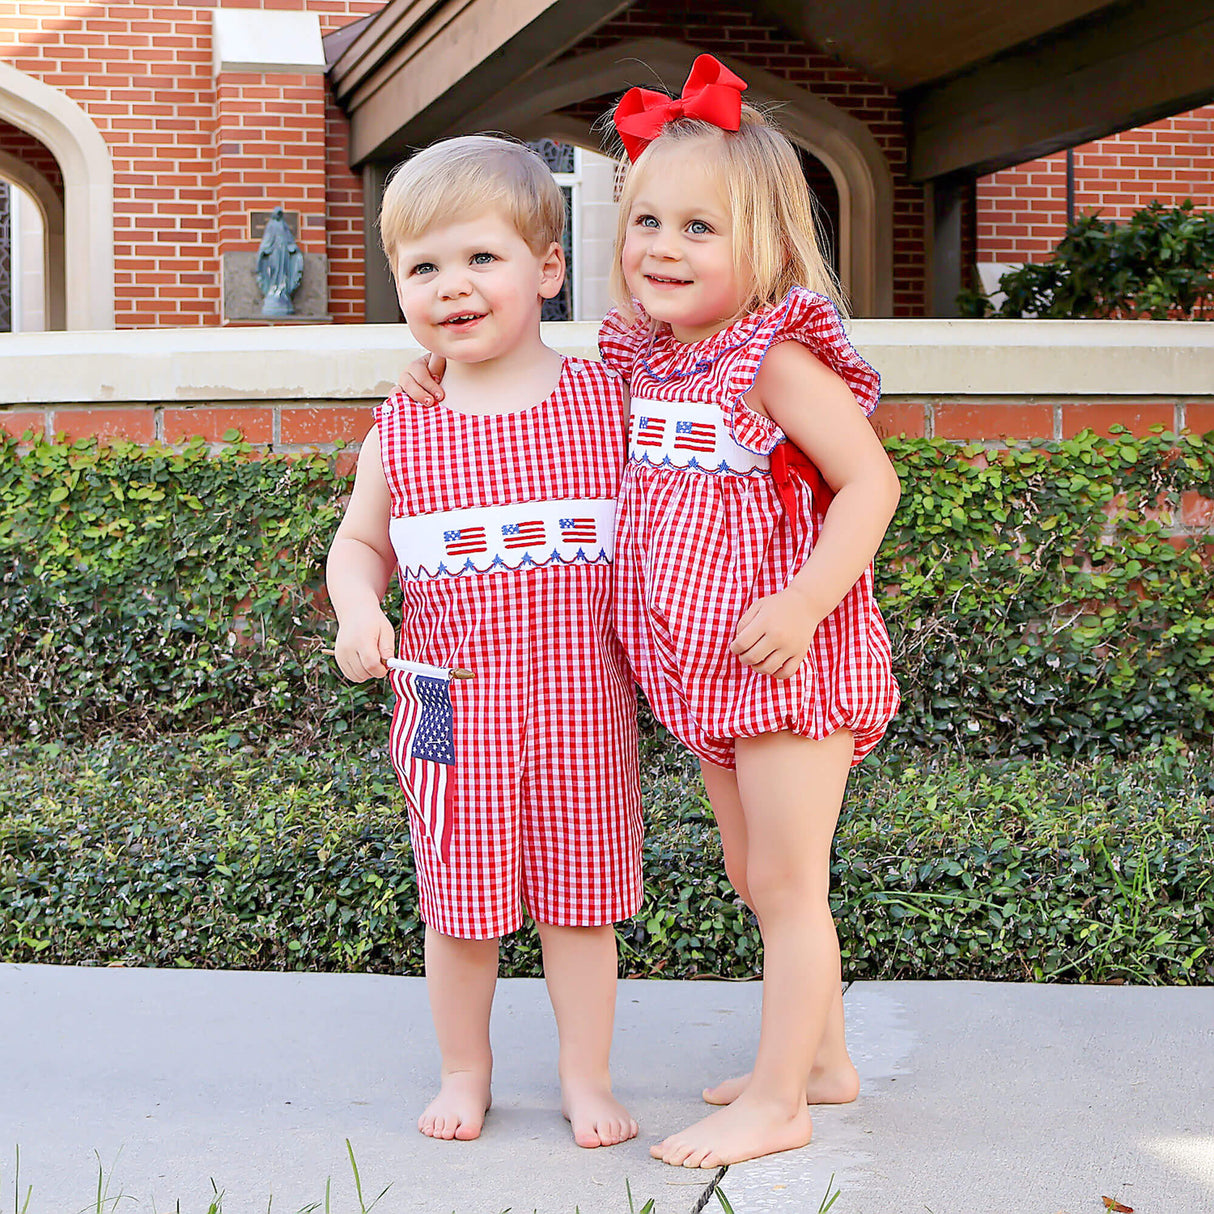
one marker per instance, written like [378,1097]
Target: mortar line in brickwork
[1057,413]
[158,423]
[276,426]
[929,419]
[1181,416]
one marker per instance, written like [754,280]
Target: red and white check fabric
[695,547]
[544,793]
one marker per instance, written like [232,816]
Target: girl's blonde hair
[774,225]
[464,177]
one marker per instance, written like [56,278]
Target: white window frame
[574,183]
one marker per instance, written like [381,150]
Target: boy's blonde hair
[773,222]
[464,176]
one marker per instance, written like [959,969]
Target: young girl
[743,570]
[743,577]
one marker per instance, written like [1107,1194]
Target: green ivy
[183,852]
[1035,596]
[150,589]
[1037,600]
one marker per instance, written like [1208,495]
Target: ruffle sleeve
[810,318]
[622,343]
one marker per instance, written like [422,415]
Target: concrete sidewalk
[976,1098]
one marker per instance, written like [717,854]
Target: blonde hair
[774,226]
[465,176]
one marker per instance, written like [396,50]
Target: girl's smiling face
[678,258]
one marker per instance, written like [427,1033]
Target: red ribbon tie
[712,94]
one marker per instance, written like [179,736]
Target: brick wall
[1022,210]
[725,28]
[291,425]
[190,157]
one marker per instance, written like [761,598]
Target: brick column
[269,150]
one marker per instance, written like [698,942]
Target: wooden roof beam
[1134,63]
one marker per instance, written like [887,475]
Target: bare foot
[745,1129]
[840,1085]
[597,1117]
[458,1111]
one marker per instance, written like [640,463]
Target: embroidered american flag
[464,541]
[422,743]
[694,436]
[523,535]
[649,431]
[577,530]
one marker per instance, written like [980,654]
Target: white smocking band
[687,434]
[496,539]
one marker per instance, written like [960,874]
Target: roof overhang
[984,84]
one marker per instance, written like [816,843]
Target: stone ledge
[949,358]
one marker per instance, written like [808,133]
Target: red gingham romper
[697,545]
[546,797]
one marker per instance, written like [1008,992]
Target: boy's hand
[775,633]
[420,381]
[364,646]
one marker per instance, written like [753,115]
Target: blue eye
[424,267]
[646,221]
[697,227]
[483,259]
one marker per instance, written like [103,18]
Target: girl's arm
[421,379]
[818,412]
[361,563]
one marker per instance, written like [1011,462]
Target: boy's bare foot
[458,1111]
[837,1085]
[743,1130]
[596,1116]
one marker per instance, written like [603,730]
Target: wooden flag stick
[456,672]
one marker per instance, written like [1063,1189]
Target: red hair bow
[712,93]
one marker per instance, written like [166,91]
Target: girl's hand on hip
[420,380]
[775,634]
[364,646]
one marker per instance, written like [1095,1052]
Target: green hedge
[186,852]
[1036,602]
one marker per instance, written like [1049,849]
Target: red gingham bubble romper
[546,806]
[701,535]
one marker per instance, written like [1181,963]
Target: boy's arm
[817,411]
[360,566]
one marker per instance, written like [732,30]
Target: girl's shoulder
[813,320]
[622,342]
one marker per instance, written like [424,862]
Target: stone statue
[279,266]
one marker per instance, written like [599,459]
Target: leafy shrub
[150,589]
[1159,265]
[1035,596]
[1038,600]
[185,852]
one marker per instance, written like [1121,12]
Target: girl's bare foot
[743,1130]
[834,1085]
[458,1111]
[596,1116]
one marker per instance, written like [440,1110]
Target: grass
[104,1203]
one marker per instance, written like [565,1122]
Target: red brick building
[151,142]
[1022,211]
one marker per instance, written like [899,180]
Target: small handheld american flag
[422,745]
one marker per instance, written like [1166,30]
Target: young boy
[496,508]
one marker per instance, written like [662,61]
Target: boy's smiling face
[472,289]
